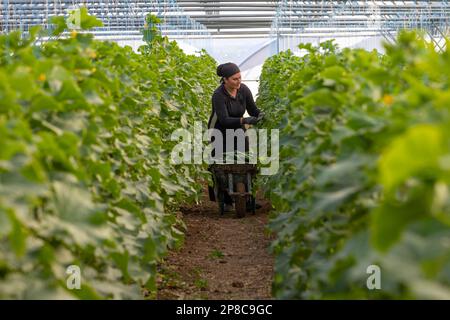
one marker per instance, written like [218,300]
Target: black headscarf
[226,70]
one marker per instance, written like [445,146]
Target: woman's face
[234,82]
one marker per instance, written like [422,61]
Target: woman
[229,103]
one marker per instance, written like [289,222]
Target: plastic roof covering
[232,17]
[370,18]
[120,18]
[255,17]
[248,18]
[298,16]
[127,17]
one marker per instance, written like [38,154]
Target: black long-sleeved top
[228,111]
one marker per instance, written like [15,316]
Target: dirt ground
[223,257]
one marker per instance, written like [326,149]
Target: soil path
[222,258]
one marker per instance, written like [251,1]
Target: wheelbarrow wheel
[240,200]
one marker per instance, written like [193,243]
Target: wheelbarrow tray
[228,175]
[243,168]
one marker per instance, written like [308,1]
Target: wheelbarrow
[237,181]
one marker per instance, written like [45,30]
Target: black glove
[250,120]
[261,116]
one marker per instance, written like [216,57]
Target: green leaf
[394,215]
[60,25]
[74,204]
[332,200]
[413,154]
[88,21]
[17,236]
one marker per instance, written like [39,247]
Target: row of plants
[364,170]
[85,171]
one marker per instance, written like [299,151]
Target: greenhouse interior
[348,197]
[265,27]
